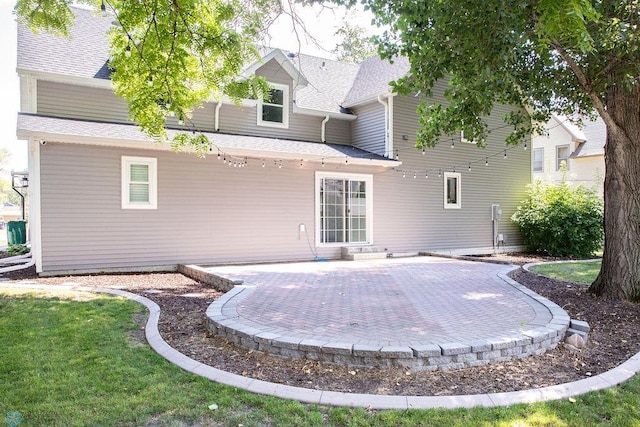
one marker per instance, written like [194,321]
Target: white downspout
[390,124]
[387,152]
[216,124]
[322,129]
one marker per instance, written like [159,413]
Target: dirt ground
[613,339]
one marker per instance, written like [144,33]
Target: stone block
[452,348]
[465,358]
[579,325]
[489,355]
[396,352]
[426,350]
[366,350]
[337,348]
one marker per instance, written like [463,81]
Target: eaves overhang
[71,131]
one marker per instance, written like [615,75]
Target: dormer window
[274,110]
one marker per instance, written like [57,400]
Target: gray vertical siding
[368,130]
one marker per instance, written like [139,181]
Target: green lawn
[67,362]
[582,272]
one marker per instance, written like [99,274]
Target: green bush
[18,249]
[559,220]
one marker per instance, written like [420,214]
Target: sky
[320,23]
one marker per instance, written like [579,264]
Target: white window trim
[558,164]
[458,177]
[533,159]
[368,179]
[465,140]
[152,162]
[285,108]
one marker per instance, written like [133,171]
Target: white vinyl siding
[273,111]
[452,190]
[139,183]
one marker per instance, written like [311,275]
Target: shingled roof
[331,85]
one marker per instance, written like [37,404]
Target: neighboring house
[331,163]
[571,153]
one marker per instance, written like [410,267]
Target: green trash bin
[17,232]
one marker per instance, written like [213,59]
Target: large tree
[564,56]
[168,57]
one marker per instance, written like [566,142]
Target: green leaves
[508,52]
[560,220]
[167,58]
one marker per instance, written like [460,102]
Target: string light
[525,145]
[439,173]
[486,161]
[103,9]
[127,51]
[397,155]
[414,175]
[469,166]
[505,153]
[423,152]
[150,81]
[263,165]
[426,174]
[280,165]
[322,162]
[300,163]
[453,145]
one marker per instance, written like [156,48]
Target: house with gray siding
[330,163]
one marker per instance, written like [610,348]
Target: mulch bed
[613,339]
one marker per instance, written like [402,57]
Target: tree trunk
[619,276]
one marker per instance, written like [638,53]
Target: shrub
[18,249]
[559,220]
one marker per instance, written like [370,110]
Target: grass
[582,272]
[68,361]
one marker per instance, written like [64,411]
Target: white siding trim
[28,94]
[35,211]
[285,108]
[152,163]
[352,176]
[458,177]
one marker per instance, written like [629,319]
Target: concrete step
[359,253]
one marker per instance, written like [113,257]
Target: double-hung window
[538,160]
[139,182]
[344,206]
[562,156]
[273,110]
[452,190]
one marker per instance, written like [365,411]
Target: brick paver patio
[423,312]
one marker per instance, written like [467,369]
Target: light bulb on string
[280,165]
[469,166]
[505,154]
[439,173]
[127,51]
[300,163]
[263,165]
[426,175]
[525,145]
[414,175]
[404,174]
[453,144]
[486,161]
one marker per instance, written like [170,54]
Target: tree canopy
[169,57]
[547,56]
[564,56]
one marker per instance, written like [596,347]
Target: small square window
[139,183]
[273,111]
[538,160]
[452,190]
[562,156]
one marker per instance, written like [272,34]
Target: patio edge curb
[613,377]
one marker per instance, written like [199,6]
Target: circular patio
[423,313]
